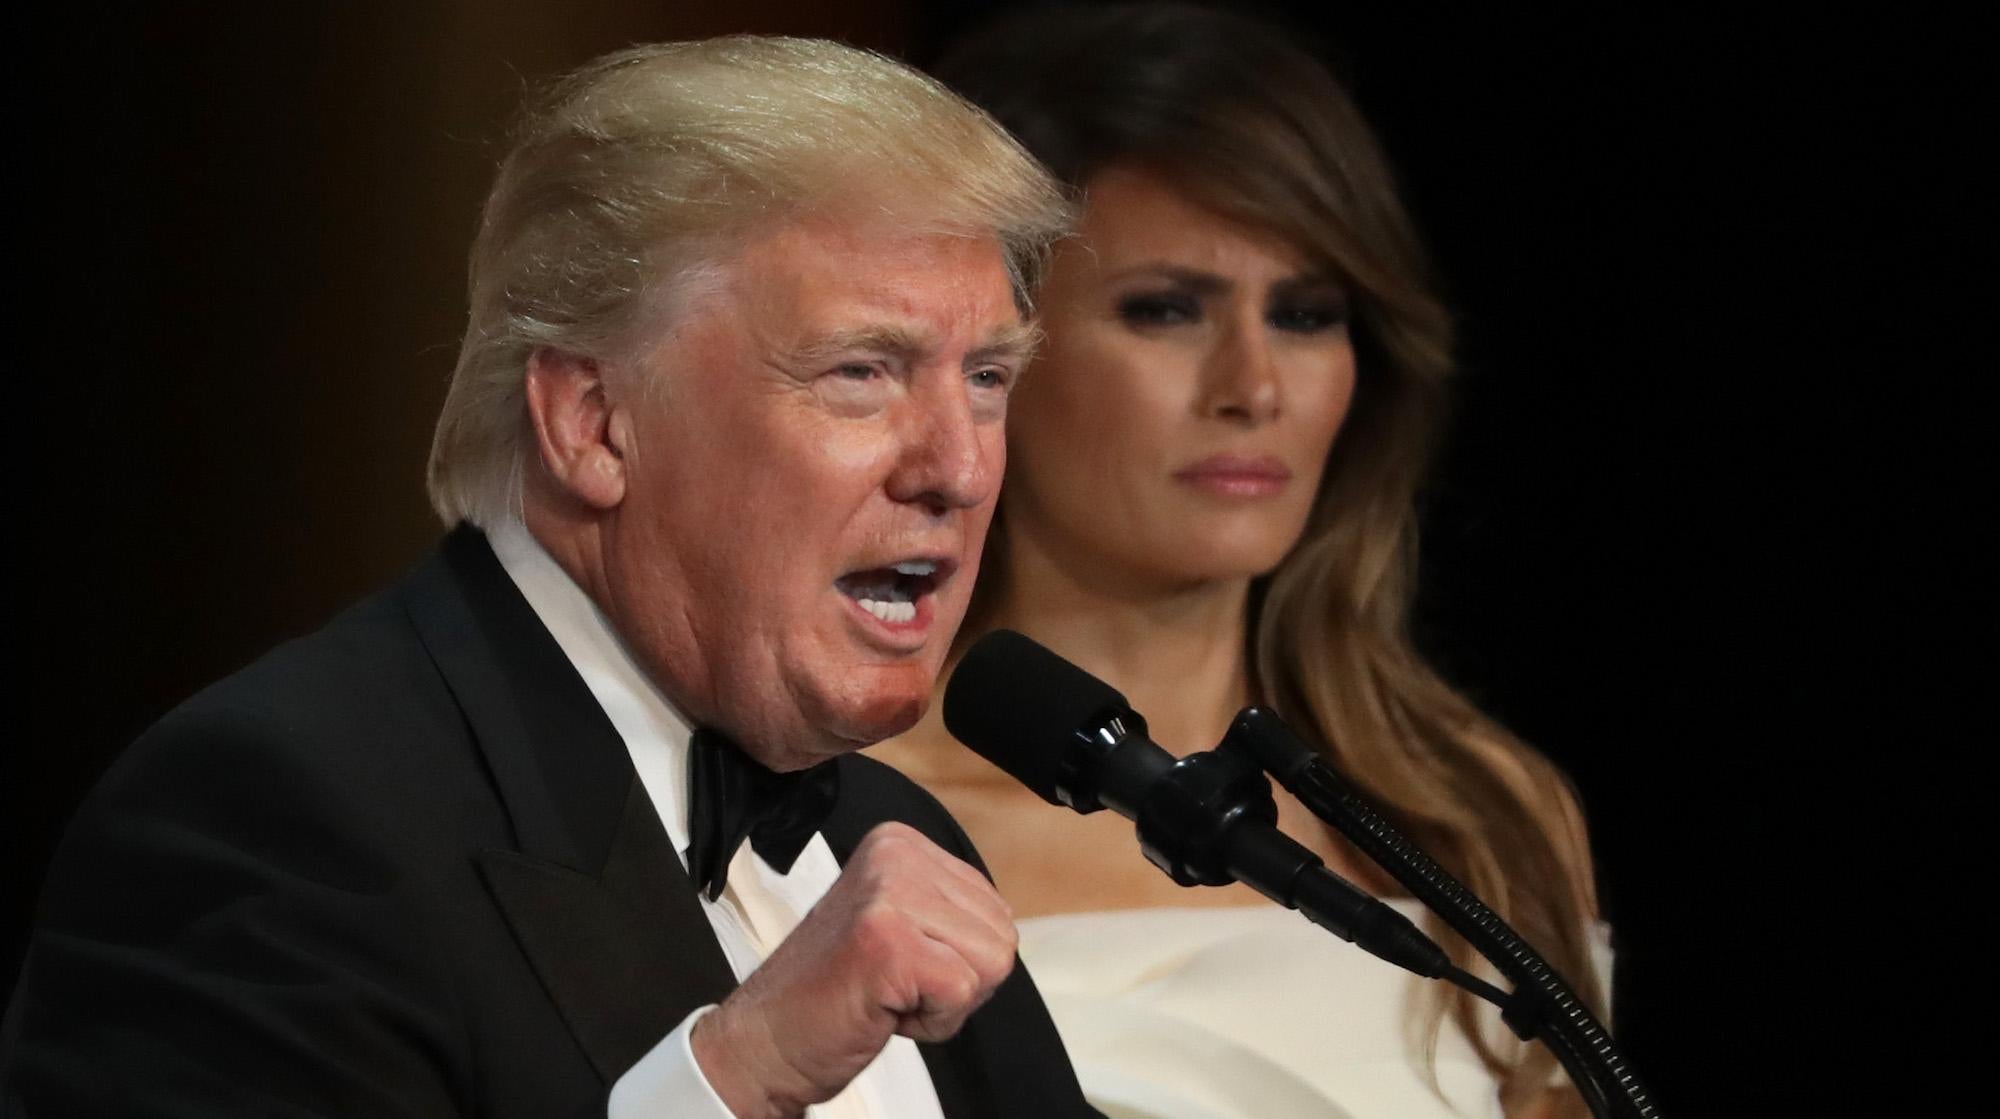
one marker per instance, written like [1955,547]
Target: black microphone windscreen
[1017,704]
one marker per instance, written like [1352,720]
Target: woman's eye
[1158,310]
[1309,319]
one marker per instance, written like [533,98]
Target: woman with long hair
[1210,501]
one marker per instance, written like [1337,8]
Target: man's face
[812,461]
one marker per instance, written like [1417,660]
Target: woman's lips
[1237,475]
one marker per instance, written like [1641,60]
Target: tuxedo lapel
[558,763]
[595,893]
[625,954]
[959,1078]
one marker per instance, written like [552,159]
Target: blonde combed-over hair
[632,179]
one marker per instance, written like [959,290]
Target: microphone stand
[1542,1004]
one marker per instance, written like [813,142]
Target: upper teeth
[915,567]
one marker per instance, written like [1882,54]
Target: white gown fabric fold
[1246,1013]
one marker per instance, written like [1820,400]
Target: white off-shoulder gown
[1246,1013]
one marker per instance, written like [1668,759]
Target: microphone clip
[1190,809]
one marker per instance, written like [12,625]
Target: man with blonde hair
[569,822]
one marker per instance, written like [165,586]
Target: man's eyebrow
[892,340]
[1015,341]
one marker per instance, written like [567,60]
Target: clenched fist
[909,940]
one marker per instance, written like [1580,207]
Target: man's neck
[575,544]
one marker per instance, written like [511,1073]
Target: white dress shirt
[758,909]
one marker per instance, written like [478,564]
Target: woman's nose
[1240,379]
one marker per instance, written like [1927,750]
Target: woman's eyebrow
[1199,282]
[1311,283]
[1193,279]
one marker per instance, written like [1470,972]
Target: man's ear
[569,408]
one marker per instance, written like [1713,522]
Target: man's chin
[871,708]
[883,716]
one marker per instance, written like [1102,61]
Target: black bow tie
[731,796]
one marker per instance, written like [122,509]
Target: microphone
[1206,820]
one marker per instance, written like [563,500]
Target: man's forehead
[946,263]
[891,288]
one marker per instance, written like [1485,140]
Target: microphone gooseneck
[1543,1004]
[1206,820]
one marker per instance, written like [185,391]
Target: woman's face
[1175,427]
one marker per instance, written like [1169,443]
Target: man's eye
[990,378]
[856,371]
[1309,319]
[1158,310]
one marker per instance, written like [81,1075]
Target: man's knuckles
[993,962]
[882,936]
[892,839]
[952,987]
[949,998]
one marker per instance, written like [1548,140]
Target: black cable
[1470,982]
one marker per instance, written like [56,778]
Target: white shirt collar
[655,734]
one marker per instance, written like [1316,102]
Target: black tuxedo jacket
[404,867]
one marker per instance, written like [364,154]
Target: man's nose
[1240,381]
[949,459]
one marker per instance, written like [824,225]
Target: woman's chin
[1227,564]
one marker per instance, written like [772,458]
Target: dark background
[1695,504]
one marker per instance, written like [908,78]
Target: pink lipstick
[1230,475]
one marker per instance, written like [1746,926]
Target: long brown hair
[1257,130]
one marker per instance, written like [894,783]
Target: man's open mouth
[891,593]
